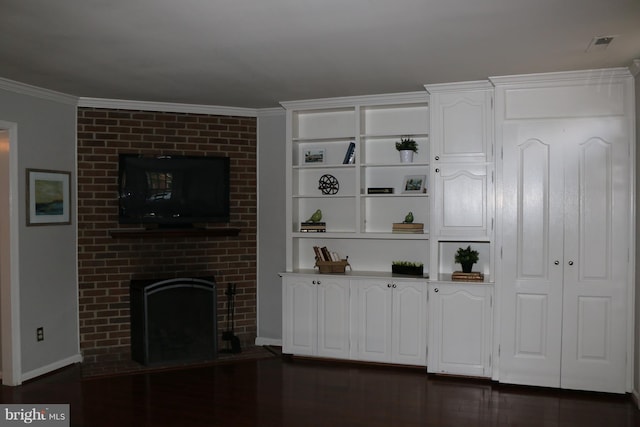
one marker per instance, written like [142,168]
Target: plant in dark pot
[466,258]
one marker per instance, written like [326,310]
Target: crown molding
[596,76]
[635,67]
[37,92]
[472,85]
[350,101]
[271,112]
[122,104]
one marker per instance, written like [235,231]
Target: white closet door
[565,254]
[596,255]
[532,255]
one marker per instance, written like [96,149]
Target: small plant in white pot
[407,147]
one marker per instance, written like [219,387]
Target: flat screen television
[173,190]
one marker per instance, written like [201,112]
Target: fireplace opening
[173,321]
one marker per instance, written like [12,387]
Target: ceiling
[255,53]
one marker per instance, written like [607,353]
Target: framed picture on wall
[48,197]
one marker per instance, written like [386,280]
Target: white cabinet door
[333,317]
[390,321]
[461,122]
[460,329]
[316,316]
[299,321]
[565,253]
[409,323]
[461,194]
[373,305]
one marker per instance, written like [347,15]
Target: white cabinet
[316,315]
[566,188]
[358,222]
[389,318]
[461,195]
[462,173]
[460,329]
[461,122]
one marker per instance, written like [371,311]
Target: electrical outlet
[40,334]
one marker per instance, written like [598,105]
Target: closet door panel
[532,256]
[596,248]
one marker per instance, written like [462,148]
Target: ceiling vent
[600,43]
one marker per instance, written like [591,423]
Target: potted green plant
[466,258]
[407,147]
[407,267]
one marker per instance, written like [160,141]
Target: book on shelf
[380,190]
[313,227]
[350,155]
[409,228]
[474,276]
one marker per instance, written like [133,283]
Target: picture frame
[48,197]
[414,184]
[313,156]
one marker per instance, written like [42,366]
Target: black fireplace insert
[174,320]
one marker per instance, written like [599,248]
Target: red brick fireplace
[108,261]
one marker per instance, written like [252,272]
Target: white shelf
[358,224]
[360,235]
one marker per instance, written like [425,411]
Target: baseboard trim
[77,358]
[635,395]
[268,341]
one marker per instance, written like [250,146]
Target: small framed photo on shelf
[48,197]
[313,156]
[414,184]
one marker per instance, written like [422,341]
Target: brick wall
[107,264]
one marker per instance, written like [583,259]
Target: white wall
[271,224]
[635,69]
[47,255]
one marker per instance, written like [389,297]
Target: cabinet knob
[570,262]
[388,285]
[437,157]
[394,285]
[556,262]
[437,170]
[436,290]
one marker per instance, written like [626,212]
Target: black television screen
[173,190]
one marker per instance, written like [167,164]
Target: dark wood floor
[281,392]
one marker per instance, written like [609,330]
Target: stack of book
[474,276]
[313,227]
[408,227]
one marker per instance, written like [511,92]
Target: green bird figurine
[409,218]
[317,216]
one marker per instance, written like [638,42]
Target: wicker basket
[327,267]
